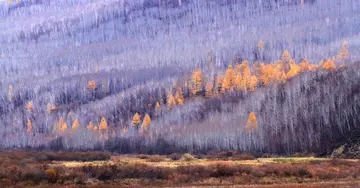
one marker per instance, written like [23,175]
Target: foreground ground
[223,169]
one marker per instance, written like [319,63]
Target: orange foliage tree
[285,57]
[329,65]
[103,124]
[343,53]
[171,102]
[146,122]
[229,79]
[91,85]
[208,89]
[10,94]
[219,81]
[179,97]
[90,126]
[29,126]
[197,82]
[75,125]
[251,123]
[29,106]
[136,120]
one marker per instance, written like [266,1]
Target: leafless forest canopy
[163,76]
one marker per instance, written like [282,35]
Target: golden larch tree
[136,120]
[253,83]
[91,85]
[124,131]
[329,65]
[63,127]
[218,84]
[75,125]
[343,53]
[29,106]
[29,126]
[95,128]
[246,74]
[170,101]
[103,124]
[208,89]
[10,94]
[197,82]
[146,122]
[229,79]
[251,123]
[179,98]
[260,45]
[90,126]
[294,70]
[304,65]
[285,57]
[50,108]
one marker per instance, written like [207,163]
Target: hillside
[179,76]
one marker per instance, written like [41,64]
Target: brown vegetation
[35,168]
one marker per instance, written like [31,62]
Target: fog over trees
[153,76]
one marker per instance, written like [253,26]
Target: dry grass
[160,170]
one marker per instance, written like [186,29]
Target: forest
[162,77]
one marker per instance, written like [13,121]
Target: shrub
[187,157]
[175,156]
[51,174]
[156,158]
[142,156]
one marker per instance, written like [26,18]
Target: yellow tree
[103,124]
[260,45]
[229,79]
[50,108]
[245,73]
[329,65]
[90,126]
[29,126]
[197,82]
[170,101]
[285,57]
[179,97]
[208,89]
[251,123]
[29,106]
[146,122]
[238,80]
[253,83]
[343,53]
[219,81]
[136,120]
[75,125]
[294,70]
[304,65]
[92,85]
[10,95]
[63,125]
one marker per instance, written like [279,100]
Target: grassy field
[94,169]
